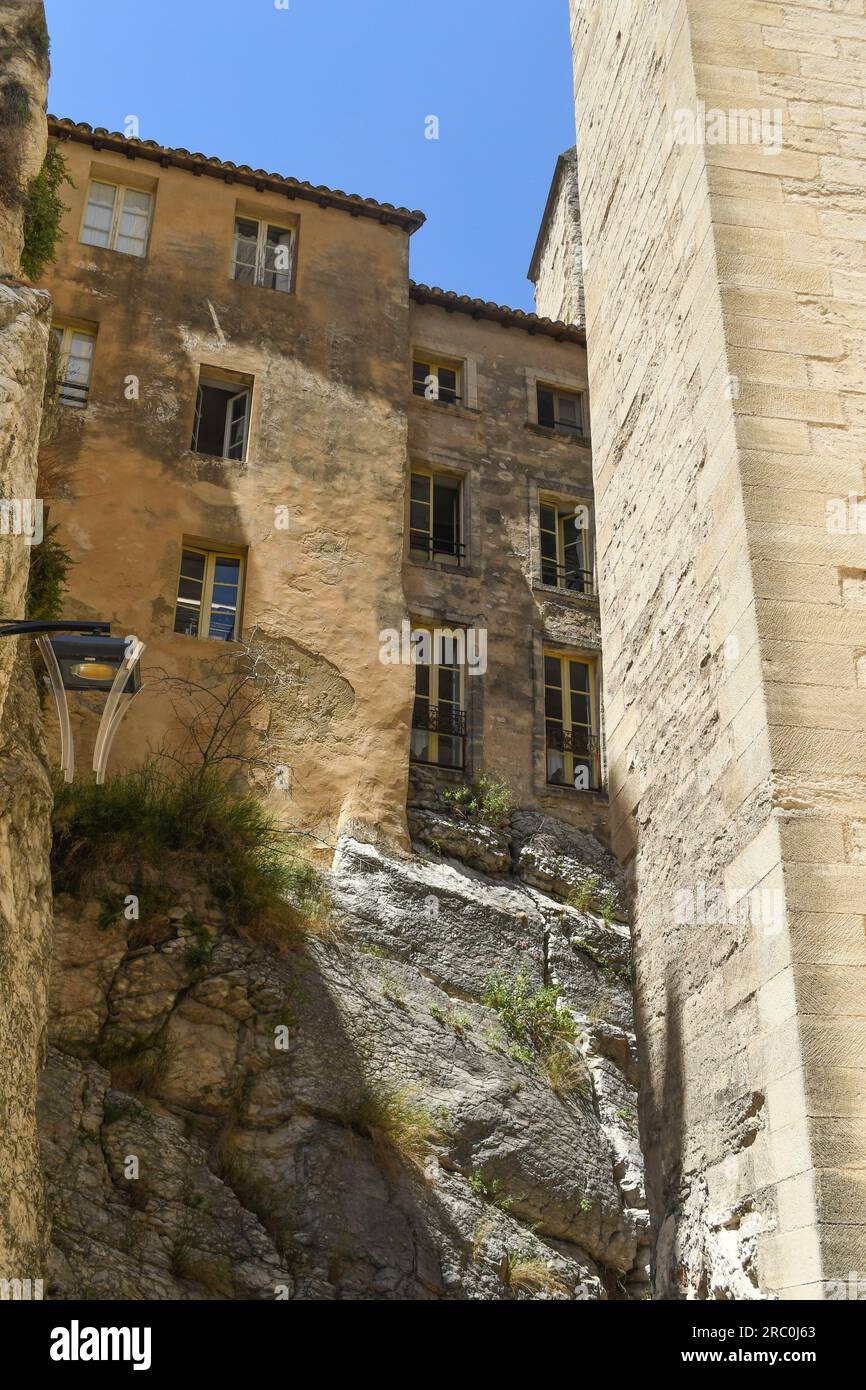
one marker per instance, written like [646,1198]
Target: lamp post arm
[21,627]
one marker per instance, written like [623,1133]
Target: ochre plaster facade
[334,430]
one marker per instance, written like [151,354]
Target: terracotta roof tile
[113,140]
[497,313]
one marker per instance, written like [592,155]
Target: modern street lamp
[84,656]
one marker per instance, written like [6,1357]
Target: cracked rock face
[223,1117]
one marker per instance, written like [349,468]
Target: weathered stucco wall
[493,443]
[25,798]
[335,430]
[327,445]
[724,322]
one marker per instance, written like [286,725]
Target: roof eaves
[496,313]
[260,179]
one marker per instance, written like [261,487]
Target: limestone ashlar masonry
[309,488]
[724,318]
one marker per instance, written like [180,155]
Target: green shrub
[50,563]
[530,1016]
[232,841]
[43,213]
[487,801]
[592,893]
[200,949]
[490,1190]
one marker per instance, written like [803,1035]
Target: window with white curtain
[117,217]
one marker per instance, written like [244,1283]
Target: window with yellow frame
[437,380]
[435,517]
[209,590]
[570,722]
[438,717]
[75,351]
[565,545]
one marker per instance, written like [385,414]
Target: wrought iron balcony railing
[567,577]
[584,747]
[72,393]
[437,545]
[439,719]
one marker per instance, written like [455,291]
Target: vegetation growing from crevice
[14,104]
[43,213]
[34,31]
[398,1125]
[232,842]
[486,802]
[50,563]
[592,894]
[537,1028]
[522,1271]
[489,1190]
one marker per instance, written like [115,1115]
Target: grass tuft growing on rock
[592,894]
[537,1029]
[521,1271]
[398,1125]
[232,842]
[487,801]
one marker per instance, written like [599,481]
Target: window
[571,745]
[222,418]
[434,518]
[565,545]
[560,410]
[76,347]
[118,218]
[262,254]
[208,594]
[437,381]
[438,718]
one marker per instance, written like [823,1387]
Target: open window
[435,517]
[76,348]
[222,416]
[571,722]
[437,381]
[438,716]
[263,254]
[117,217]
[564,530]
[209,590]
[561,410]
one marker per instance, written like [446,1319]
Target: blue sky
[337,92]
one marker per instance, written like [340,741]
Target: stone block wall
[724,303]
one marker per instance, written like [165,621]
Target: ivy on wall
[43,213]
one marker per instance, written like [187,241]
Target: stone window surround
[212,547]
[473,689]
[559,492]
[234,375]
[540,641]
[470,522]
[119,178]
[278,217]
[469,378]
[562,382]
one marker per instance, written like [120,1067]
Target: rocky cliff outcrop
[25,799]
[344,1116]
